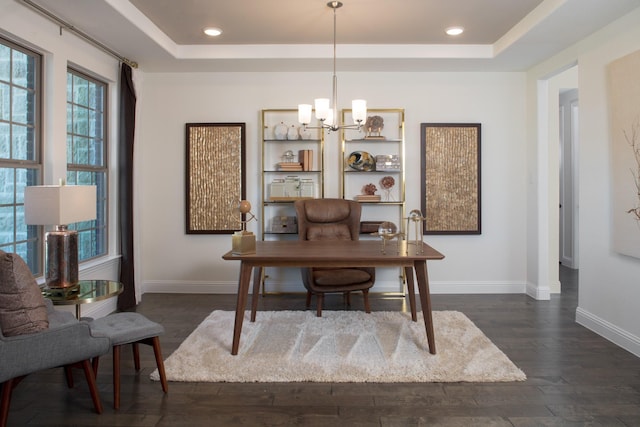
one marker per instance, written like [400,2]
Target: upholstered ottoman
[129,328]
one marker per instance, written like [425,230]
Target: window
[20,147]
[87,155]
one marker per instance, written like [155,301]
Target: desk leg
[408,272]
[257,278]
[243,292]
[425,301]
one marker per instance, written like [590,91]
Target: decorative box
[292,186]
[243,242]
[276,189]
[367,227]
[284,224]
[388,162]
[307,188]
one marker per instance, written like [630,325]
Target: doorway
[568,182]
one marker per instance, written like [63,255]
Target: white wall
[20,25]
[609,288]
[172,261]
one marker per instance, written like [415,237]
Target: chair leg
[347,296]
[136,355]
[160,364]
[367,306]
[308,299]
[68,374]
[116,376]
[94,364]
[91,381]
[7,388]
[320,298]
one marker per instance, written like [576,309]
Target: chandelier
[327,110]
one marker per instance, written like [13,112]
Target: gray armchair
[66,341]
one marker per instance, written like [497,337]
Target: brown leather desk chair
[332,219]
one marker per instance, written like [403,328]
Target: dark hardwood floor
[575,378]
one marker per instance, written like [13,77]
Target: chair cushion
[328,232]
[327,210]
[340,277]
[126,327]
[22,306]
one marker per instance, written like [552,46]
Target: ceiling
[372,35]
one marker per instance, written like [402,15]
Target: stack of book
[289,166]
[306,159]
[368,198]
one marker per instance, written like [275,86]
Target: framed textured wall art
[215,177]
[624,109]
[450,174]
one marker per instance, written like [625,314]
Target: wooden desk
[361,253]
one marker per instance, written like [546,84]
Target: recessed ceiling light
[212,31]
[454,31]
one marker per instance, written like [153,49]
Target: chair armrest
[57,346]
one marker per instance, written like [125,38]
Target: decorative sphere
[415,215]
[244,206]
[386,228]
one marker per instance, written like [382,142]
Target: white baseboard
[189,287]
[540,293]
[207,287]
[609,331]
[478,287]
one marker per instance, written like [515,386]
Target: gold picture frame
[450,173]
[215,177]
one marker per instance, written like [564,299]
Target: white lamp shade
[329,120]
[304,113]
[322,108]
[59,204]
[359,110]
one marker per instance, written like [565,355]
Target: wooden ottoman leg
[136,355]
[116,376]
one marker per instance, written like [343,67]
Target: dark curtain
[127,298]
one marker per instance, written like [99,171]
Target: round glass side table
[87,291]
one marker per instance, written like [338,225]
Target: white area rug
[340,346]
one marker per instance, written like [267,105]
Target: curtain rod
[85,36]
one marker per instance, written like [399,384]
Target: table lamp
[60,205]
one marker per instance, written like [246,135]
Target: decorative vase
[292,133]
[304,133]
[280,131]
